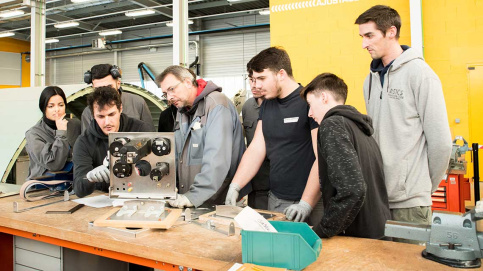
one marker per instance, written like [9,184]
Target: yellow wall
[453,40]
[452,44]
[324,38]
[17,46]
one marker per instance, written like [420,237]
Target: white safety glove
[181,202]
[298,212]
[98,174]
[105,162]
[232,195]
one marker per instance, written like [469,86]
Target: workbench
[185,244]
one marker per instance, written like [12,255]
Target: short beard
[279,89]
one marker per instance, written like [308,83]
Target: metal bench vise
[451,239]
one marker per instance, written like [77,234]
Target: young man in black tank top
[287,136]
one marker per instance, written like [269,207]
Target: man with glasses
[258,198]
[208,137]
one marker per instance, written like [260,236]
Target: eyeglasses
[250,79]
[170,90]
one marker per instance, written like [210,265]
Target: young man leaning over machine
[350,164]
[284,134]
[90,149]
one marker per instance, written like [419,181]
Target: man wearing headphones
[110,75]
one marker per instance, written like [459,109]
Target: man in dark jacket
[350,163]
[90,164]
[167,118]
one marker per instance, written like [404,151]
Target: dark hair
[383,16]
[274,59]
[249,68]
[180,72]
[47,93]
[103,96]
[101,70]
[326,82]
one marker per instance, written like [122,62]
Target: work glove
[232,195]
[298,212]
[181,202]
[105,162]
[98,174]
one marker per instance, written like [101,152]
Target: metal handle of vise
[397,229]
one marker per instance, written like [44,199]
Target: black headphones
[115,72]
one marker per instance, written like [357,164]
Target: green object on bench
[294,246]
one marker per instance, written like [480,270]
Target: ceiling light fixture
[141,12]
[80,1]
[51,40]
[11,13]
[66,24]
[264,12]
[235,0]
[6,34]
[110,32]
[171,24]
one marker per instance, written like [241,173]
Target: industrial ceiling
[94,16]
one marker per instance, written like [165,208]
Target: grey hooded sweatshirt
[50,149]
[209,146]
[411,128]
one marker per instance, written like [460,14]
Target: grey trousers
[418,214]
[278,205]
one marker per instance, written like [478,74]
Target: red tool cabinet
[451,194]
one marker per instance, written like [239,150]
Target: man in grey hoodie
[404,97]
[208,136]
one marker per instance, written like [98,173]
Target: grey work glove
[98,174]
[298,212]
[232,195]
[181,202]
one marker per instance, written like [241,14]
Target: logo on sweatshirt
[395,93]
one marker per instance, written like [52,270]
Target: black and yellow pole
[476,171]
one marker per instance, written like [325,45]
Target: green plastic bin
[294,246]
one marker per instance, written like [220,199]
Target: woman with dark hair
[51,140]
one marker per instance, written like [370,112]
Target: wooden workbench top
[190,245]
